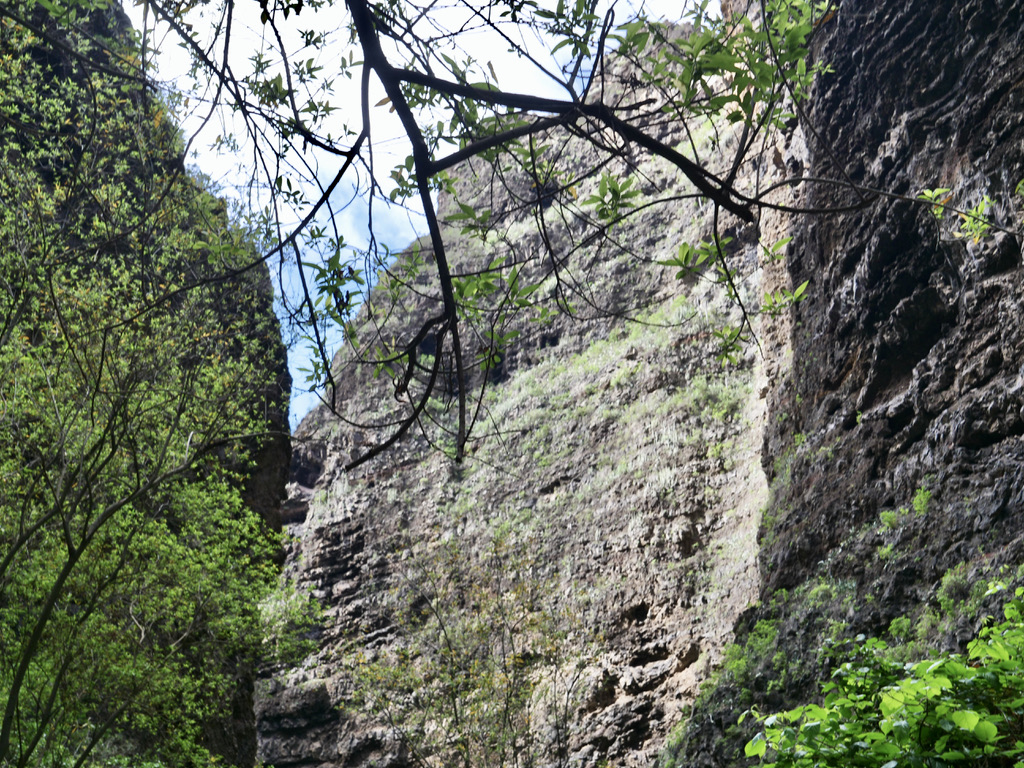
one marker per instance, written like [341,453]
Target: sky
[396,226]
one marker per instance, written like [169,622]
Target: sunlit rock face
[616,454]
[631,462]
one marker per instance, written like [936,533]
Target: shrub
[957,595]
[479,673]
[899,629]
[922,498]
[889,518]
[941,711]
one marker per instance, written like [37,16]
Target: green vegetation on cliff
[130,371]
[877,711]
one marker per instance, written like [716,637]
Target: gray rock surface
[623,456]
[634,463]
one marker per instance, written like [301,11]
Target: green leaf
[986,731]
[757,746]
[965,719]
[50,7]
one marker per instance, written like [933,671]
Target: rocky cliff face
[894,440]
[629,462]
[908,358]
[619,461]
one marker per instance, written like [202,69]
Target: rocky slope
[629,461]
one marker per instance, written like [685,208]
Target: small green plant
[928,624]
[922,498]
[889,518]
[887,553]
[975,223]
[938,197]
[821,594]
[899,629]
[741,660]
[957,595]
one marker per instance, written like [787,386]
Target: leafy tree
[130,569]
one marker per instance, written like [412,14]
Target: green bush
[957,594]
[943,711]
[922,498]
[480,674]
[889,519]
[741,660]
[900,628]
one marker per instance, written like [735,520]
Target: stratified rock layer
[623,456]
[904,383]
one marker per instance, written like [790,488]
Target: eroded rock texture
[904,383]
[904,398]
[907,360]
[620,458]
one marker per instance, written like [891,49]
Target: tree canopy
[133,389]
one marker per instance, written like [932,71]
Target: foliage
[939,198]
[942,711]
[890,519]
[740,660]
[899,629]
[478,675]
[975,223]
[922,498]
[957,594]
[130,569]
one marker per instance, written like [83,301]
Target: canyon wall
[893,444]
[617,466]
[628,462]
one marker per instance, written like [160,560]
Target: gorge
[687,514]
[749,388]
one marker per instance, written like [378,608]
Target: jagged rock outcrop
[908,358]
[894,444]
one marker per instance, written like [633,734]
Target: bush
[881,713]
[479,674]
